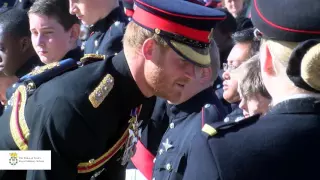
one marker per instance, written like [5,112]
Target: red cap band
[129,12]
[151,21]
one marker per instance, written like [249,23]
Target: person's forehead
[43,20]
[239,52]
[5,36]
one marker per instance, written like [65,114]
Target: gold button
[91,161]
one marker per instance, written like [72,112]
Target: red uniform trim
[143,160]
[151,21]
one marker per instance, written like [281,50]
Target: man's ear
[74,33]
[267,64]
[147,48]
[25,43]
[206,75]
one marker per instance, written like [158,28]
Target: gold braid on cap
[310,67]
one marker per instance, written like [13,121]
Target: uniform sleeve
[61,130]
[201,163]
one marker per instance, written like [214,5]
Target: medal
[134,136]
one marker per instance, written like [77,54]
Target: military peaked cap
[186,27]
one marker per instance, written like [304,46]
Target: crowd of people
[162,89]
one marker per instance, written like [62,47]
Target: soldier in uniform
[184,120]
[17,56]
[106,21]
[54,32]
[89,120]
[284,143]
[53,15]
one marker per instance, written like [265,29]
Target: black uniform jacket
[79,116]
[106,35]
[283,144]
[185,121]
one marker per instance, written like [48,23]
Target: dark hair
[16,22]
[58,9]
[243,23]
[247,36]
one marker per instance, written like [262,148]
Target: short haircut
[135,36]
[243,23]
[247,36]
[15,22]
[249,79]
[57,9]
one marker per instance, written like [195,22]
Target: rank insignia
[39,70]
[92,57]
[101,91]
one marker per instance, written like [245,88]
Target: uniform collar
[192,105]
[104,24]
[306,105]
[130,91]
[33,62]
[75,53]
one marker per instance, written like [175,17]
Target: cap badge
[157,31]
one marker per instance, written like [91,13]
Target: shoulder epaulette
[88,58]
[101,91]
[47,72]
[215,128]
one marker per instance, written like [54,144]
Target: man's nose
[72,9]
[39,40]
[226,75]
